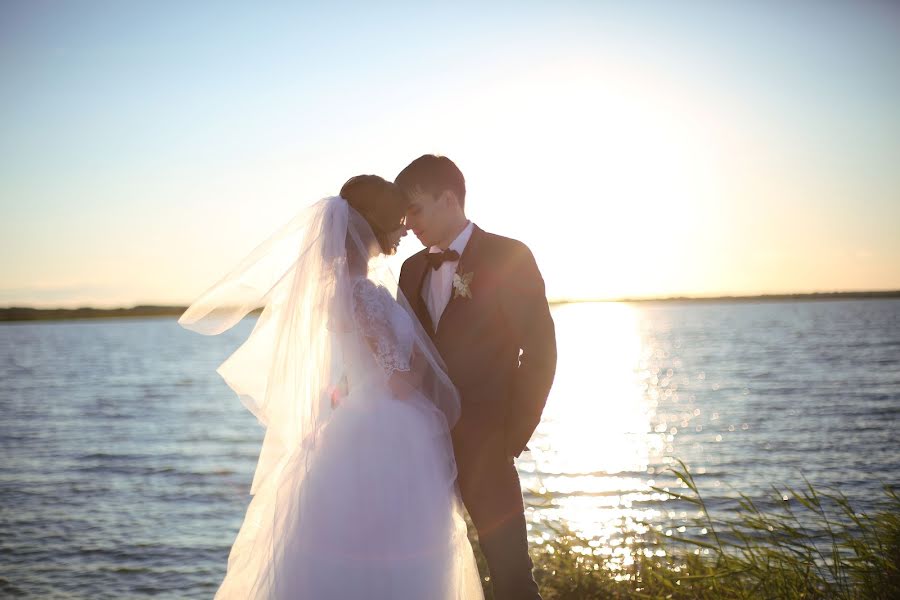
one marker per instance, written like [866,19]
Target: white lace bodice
[387,327]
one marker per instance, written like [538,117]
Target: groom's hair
[433,174]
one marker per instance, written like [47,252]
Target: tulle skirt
[372,512]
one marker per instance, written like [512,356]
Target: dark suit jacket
[499,345]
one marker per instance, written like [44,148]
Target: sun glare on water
[592,451]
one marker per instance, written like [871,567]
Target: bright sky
[639,148]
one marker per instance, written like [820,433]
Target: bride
[354,493]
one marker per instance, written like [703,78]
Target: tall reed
[799,544]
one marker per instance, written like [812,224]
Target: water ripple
[128,462]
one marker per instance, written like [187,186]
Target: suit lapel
[414,296]
[465,265]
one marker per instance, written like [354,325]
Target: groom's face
[425,217]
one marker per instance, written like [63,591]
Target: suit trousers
[492,494]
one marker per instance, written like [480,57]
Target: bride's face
[394,238]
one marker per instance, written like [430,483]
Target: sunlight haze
[639,150]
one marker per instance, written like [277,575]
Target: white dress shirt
[437,289]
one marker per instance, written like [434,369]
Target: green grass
[754,553]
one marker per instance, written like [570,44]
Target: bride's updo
[381,203]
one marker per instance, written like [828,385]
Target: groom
[481,297]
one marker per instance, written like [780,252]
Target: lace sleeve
[373,309]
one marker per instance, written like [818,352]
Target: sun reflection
[594,447]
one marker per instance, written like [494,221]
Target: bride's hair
[381,203]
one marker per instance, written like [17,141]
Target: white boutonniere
[461,285]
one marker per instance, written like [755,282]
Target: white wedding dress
[380,515]
[354,496]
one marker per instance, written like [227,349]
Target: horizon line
[171,308]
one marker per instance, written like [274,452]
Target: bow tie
[436,259]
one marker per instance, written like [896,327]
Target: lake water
[127,461]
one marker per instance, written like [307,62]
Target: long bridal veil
[294,363]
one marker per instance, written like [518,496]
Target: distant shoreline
[25,313]
[809,296]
